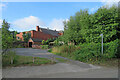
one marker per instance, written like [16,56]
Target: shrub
[50,50]
[20,46]
[10,56]
[93,50]
[87,51]
[111,49]
[64,49]
[43,42]
[57,43]
[118,49]
[44,46]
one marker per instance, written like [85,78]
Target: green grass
[113,62]
[83,54]
[23,61]
[61,60]
[50,50]
[44,46]
[64,55]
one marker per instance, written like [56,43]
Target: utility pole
[102,43]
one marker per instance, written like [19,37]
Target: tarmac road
[73,69]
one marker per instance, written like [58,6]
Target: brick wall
[36,34]
[20,36]
[41,35]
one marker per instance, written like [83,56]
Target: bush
[44,46]
[50,50]
[87,51]
[9,56]
[20,46]
[111,49]
[118,49]
[93,51]
[64,49]
[43,42]
[57,43]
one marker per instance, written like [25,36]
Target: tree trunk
[4,50]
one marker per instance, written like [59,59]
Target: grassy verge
[61,60]
[113,62]
[83,56]
[23,60]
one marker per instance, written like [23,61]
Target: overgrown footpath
[12,60]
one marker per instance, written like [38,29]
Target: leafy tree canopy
[7,37]
[26,36]
[85,28]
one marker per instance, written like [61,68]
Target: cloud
[1,23]
[27,23]
[57,24]
[106,3]
[110,2]
[94,9]
[2,6]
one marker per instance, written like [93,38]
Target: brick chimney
[37,28]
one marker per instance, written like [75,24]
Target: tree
[26,36]
[65,25]
[0,38]
[77,27]
[43,42]
[14,34]
[7,39]
[105,21]
[86,28]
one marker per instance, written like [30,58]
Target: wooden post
[52,59]
[33,59]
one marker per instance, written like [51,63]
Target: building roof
[51,32]
[36,40]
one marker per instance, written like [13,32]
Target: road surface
[72,69]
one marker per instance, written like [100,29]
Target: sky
[25,16]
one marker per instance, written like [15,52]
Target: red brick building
[39,35]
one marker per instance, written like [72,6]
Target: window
[18,37]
